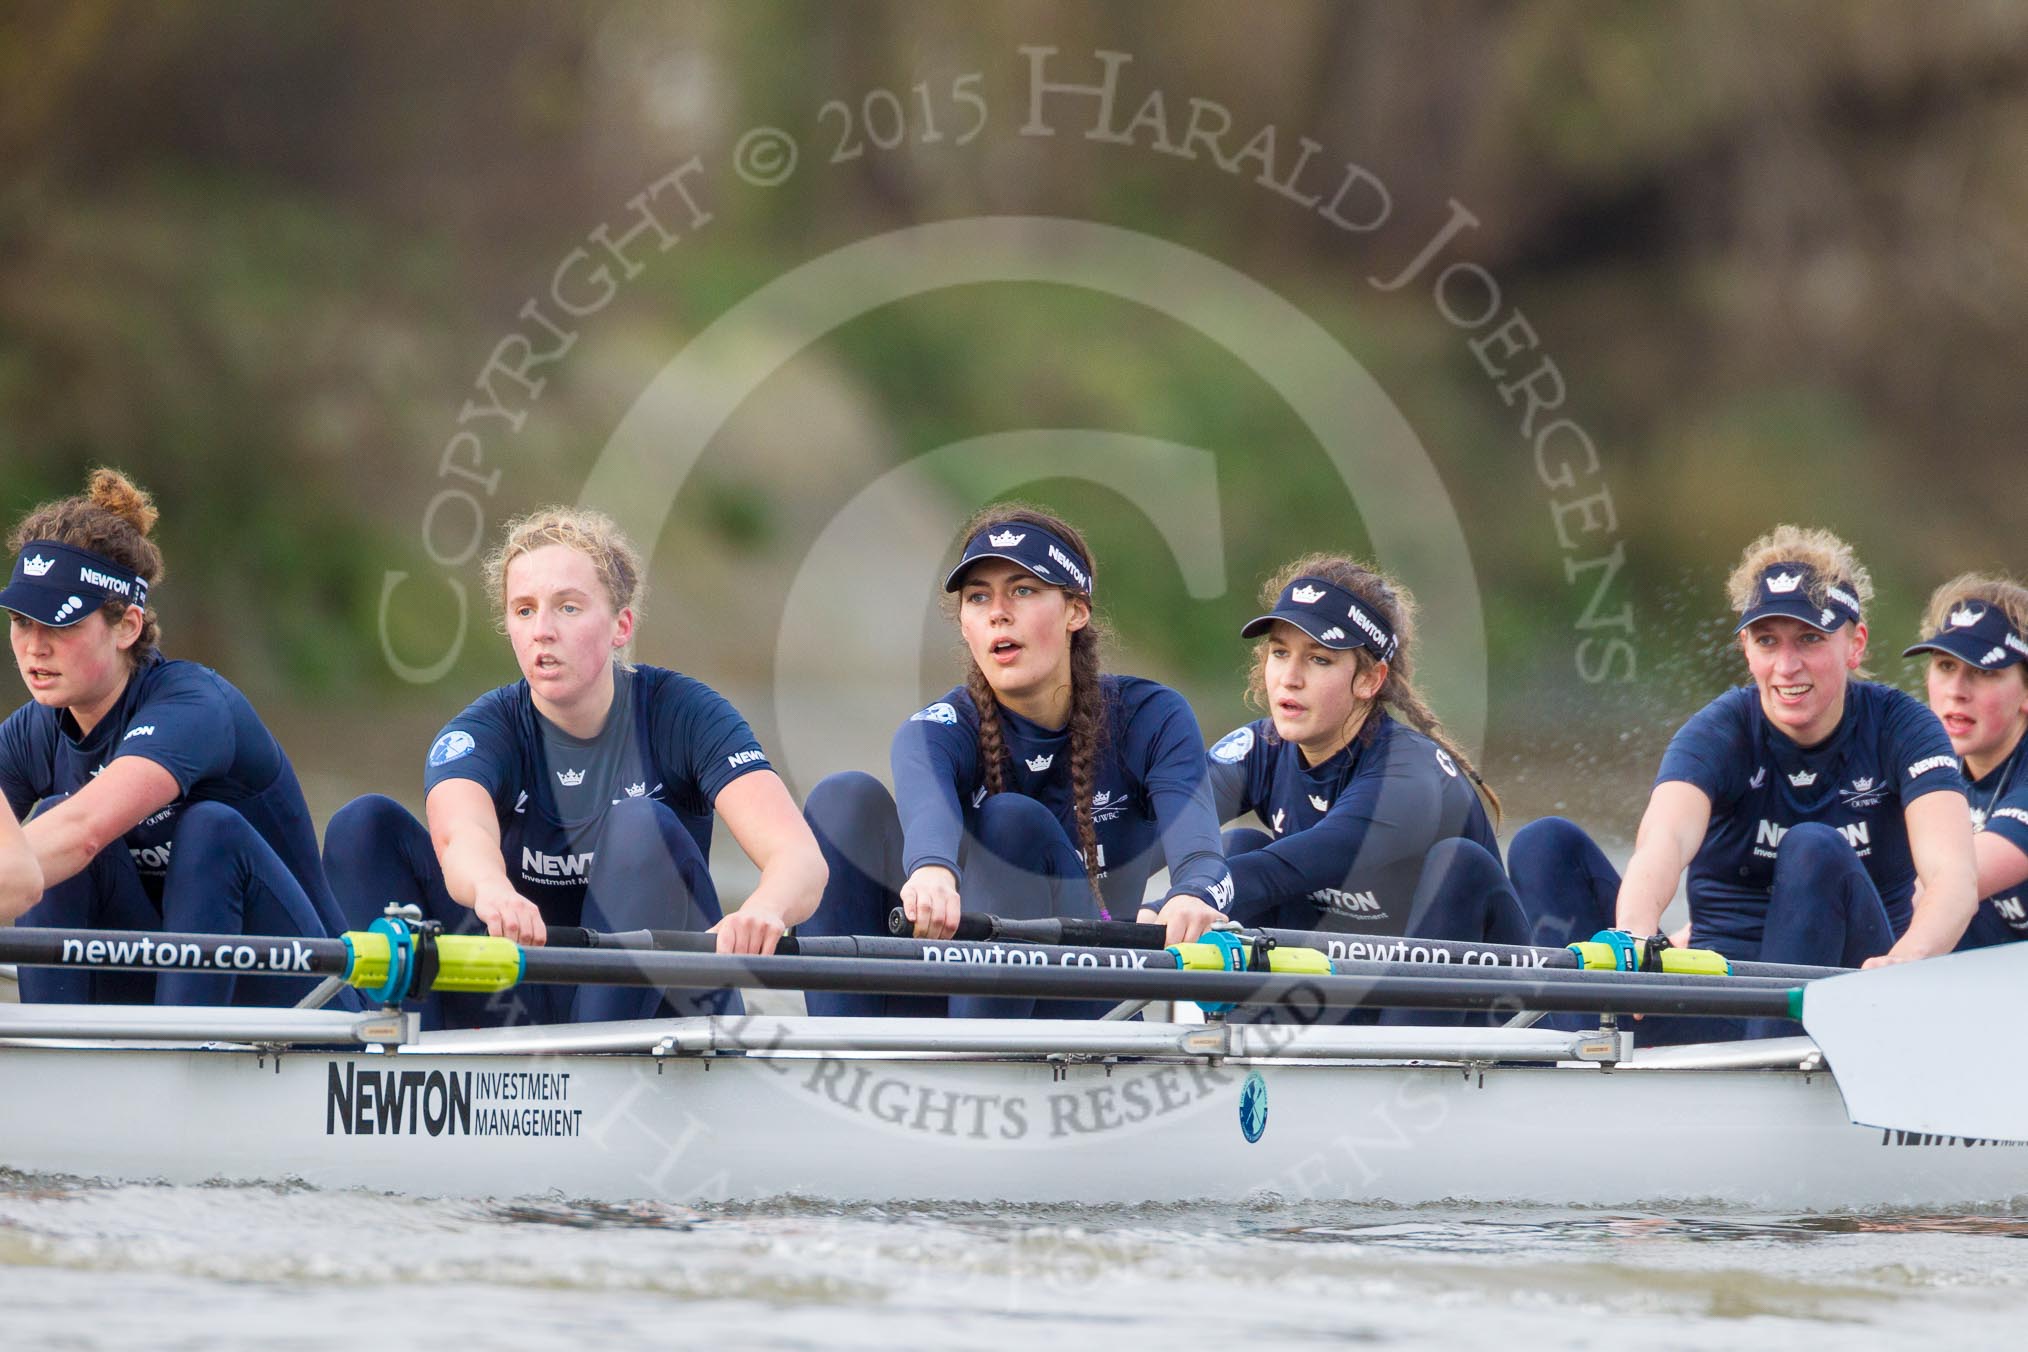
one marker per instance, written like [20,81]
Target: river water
[87,1265]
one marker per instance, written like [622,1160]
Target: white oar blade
[1930,1046]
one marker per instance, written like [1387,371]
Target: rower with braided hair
[1040,787]
[1374,816]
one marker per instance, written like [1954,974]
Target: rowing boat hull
[892,1127]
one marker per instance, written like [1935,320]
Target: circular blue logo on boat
[1253,1107]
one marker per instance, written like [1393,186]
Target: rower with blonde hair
[1806,806]
[582,795]
[1977,645]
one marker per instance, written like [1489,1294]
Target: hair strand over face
[111,518]
[1398,693]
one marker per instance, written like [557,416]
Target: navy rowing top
[2000,805]
[668,738]
[1150,802]
[193,723]
[1350,834]
[1888,750]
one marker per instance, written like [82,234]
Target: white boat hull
[898,1126]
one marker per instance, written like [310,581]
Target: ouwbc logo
[37,566]
[1006,539]
[1308,596]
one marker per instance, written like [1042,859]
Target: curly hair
[1398,692]
[1993,589]
[592,534]
[1830,560]
[112,518]
[1087,695]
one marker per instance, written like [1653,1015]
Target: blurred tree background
[257,254]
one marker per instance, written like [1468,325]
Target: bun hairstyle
[1087,698]
[592,534]
[2003,592]
[112,517]
[1398,693]
[1829,559]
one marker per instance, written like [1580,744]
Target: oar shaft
[875,976]
[959,952]
[121,950]
[1381,947]
[869,964]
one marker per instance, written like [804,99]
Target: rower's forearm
[470,869]
[791,887]
[20,883]
[62,844]
[1645,893]
[1942,914]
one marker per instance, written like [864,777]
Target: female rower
[20,875]
[1978,686]
[581,795]
[1040,787]
[165,804]
[1805,806]
[1374,816]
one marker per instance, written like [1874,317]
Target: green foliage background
[257,254]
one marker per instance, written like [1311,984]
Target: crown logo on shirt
[1308,596]
[1781,584]
[1102,798]
[1964,617]
[1321,804]
[1040,763]
[1006,539]
[570,779]
[37,566]
[1863,784]
[638,790]
[1802,779]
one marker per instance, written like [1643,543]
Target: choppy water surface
[91,1265]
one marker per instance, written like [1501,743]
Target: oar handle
[979,927]
[648,940]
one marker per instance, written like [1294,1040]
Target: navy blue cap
[1784,589]
[1977,632]
[1032,547]
[1329,614]
[58,585]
